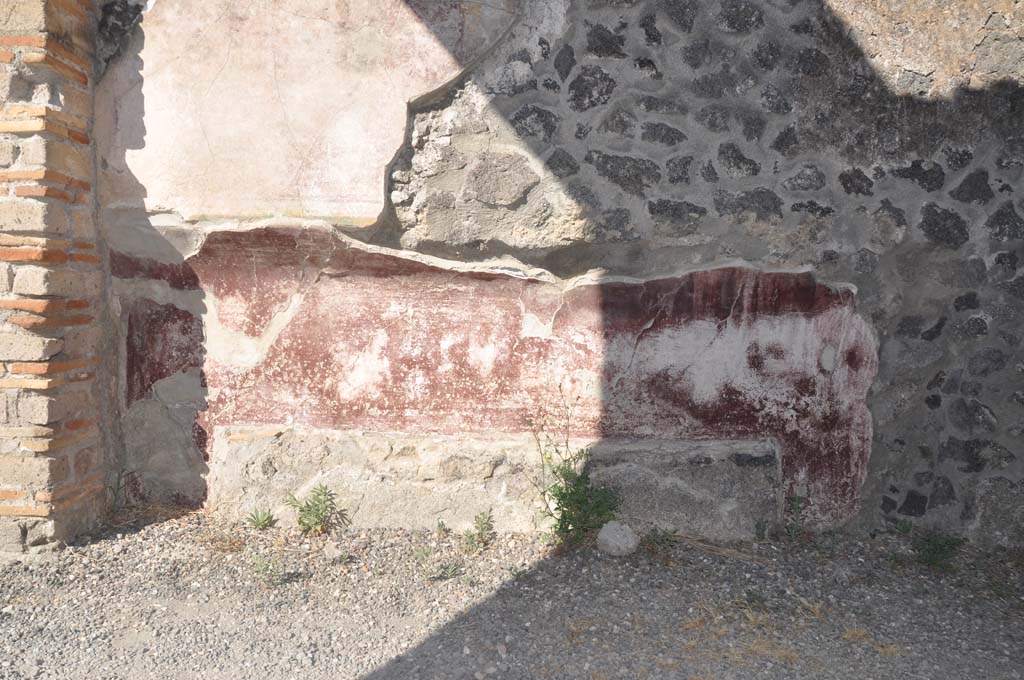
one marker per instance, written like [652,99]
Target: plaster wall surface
[269,107]
[538,220]
[452,354]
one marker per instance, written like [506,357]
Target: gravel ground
[188,597]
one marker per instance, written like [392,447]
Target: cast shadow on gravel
[866,116]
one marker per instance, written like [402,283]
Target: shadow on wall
[157,307]
[707,156]
[663,137]
[683,133]
[650,137]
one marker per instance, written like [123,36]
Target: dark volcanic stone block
[634,175]
[943,226]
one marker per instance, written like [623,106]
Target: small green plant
[658,540]
[795,506]
[262,519]
[319,512]
[761,529]
[423,556]
[755,600]
[267,571]
[447,571]
[442,530]
[481,535]
[577,506]
[119,491]
[904,526]
[936,550]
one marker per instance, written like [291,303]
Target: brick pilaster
[51,462]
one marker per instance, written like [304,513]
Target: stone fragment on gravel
[617,539]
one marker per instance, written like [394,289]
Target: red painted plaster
[379,342]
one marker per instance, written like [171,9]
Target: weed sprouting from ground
[442,530]
[121,491]
[267,571]
[261,519]
[319,512]
[448,571]
[575,504]
[478,538]
[936,550]
[423,556]
[658,540]
[578,506]
[794,512]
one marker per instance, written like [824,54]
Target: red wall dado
[308,329]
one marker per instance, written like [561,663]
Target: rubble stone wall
[878,144]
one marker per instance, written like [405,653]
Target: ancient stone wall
[879,144]
[52,461]
[765,248]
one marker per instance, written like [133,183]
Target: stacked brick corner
[51,458]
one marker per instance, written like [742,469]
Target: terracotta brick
[43,176]
[53,444]
[11,494]
[22,175]
[83,258]
[60,67]
[33,255]
[78,304]
[24,511]
[79,424]
[49,367]
[37,125]
[38,306]
[26,431]
[84,245]
[33,191]
[30,383]
[29,125]
[51,45]
[76,136]
[84,490]
[23,40]
[6,57]
[40,322]
[14,241]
